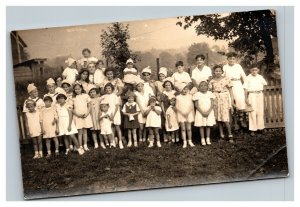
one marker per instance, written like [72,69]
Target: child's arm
[246,97]
[147,111]
[168,120]
[210,108]
[70,119]
[89,108]
[157,111]
[231,96]
[26,125]
[57,126]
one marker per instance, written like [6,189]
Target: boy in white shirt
[254,86]
[71,71]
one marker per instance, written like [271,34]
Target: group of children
[89,97]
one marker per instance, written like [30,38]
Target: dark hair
[164,84]
[231,54]
[33,102]
[253,66]
[179,63]
[86,50]
[95,89]
[57,77]
[218,66]
[200,56]
[109,69]
[47,98]
[80,73]
[65,83]
[59,96]
[109,85]
[77,84]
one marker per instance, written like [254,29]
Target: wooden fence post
[157,66]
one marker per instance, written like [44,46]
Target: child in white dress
[83,79]
[33,96]
[70,73]
[235,72]
[106,119]
[130,76]
[181,78]
[204,117]
[115,110]
[254,88]
[66,126]
[92,69]
[149,85]
[94,112]
[49,125]
[142,98]
[153,121]
[81,111]
[162,75]
[185,115]
[99,75]
[33,128]
[171,124]
[116,82]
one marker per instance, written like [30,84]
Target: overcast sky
[145,35]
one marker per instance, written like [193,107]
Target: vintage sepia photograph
[159,103]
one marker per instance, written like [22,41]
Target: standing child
[254,87]
[181,78]
[185,115]
[49,125]
[58,81]
[235,72]
[33,128]
[52,92]
[162,75]
[106,119]
[71,71]
[92,69]
[67,87]
[130,76]
[66,124]
[171,124]
[149,86]
[99,74]
[201,72]
[142,98]
[94,112]
[205,117]
[82,118]
[33,96]
[114,108]
[221,86]
[153,121]
[87,58]
[131,111]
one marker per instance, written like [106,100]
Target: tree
[247,32]
[114,45]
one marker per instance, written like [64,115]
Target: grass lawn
[110,170]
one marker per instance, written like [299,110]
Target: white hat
[66,81]
[129,61]
[50,81]
[164,71]
[90,87]
[31,87]
[147,70]
[70,61]
[181,86]
[104,100]
[170,79]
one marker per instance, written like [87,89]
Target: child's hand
[43,131]
[53,122]
[170,126]
[69,128]
[57,131]
[247,102]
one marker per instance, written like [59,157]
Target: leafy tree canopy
[247,32]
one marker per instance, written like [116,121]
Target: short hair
[100,61]
[59,96]
[179,63]
[109,85]
[47,98]
[218,66]
[109,69]
[200,56]
[204,82]
[30,102]
[231,54]
[57,77]
[164,84]
[65,83]
[253,66]
[86,50]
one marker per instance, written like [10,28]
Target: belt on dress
[220,91]
[235,79]
[254,91]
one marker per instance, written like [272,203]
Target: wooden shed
[29,70]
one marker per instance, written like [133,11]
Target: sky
[145,35]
